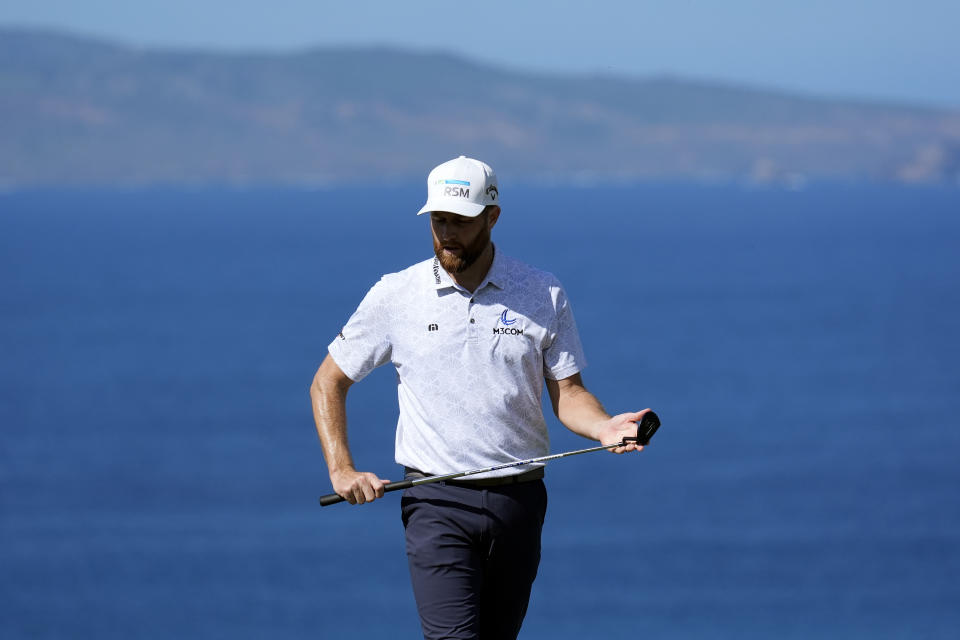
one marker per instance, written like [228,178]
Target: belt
[534,474]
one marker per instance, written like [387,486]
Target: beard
[458,264]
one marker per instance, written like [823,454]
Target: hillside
[76,111]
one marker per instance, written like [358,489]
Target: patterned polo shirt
[470,367]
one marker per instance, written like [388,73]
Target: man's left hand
[619,427]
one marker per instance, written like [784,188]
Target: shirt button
[472,320]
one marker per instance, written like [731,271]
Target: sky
[886,49]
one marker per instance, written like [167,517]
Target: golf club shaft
[647,426]
[334,498]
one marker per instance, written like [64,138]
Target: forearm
[328,394]
[329,399]
[581,412]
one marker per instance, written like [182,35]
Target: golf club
[647,426]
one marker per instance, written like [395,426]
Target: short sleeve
[563,356]
[364,343]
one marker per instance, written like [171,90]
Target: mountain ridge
[83,111]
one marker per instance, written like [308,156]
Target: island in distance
[82,112]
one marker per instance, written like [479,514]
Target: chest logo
[507,329]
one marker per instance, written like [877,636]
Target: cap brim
[453,205]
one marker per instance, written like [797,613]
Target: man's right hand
[357,487]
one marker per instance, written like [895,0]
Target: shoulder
[412,278]
[522,275]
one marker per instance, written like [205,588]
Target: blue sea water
[159,468]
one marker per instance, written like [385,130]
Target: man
[472,334]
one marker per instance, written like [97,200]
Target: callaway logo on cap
[463,186]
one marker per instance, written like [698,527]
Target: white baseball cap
[463,186]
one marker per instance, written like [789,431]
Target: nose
[443,230]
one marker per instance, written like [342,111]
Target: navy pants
[473,555]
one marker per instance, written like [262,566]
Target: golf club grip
[334,498]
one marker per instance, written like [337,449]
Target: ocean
[159,467]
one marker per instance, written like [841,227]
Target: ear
[493,214]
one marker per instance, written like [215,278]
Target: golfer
[472,334]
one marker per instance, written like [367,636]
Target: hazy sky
[868,48]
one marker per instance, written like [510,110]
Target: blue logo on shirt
[503,319]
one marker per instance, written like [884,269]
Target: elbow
[317,386]
[329,379]
[320,384]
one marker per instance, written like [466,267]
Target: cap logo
[456,191]
[454,188]
[492,192]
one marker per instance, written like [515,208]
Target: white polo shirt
[470,367]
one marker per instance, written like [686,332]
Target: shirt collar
[439,278]
[497,273]
[496,276]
